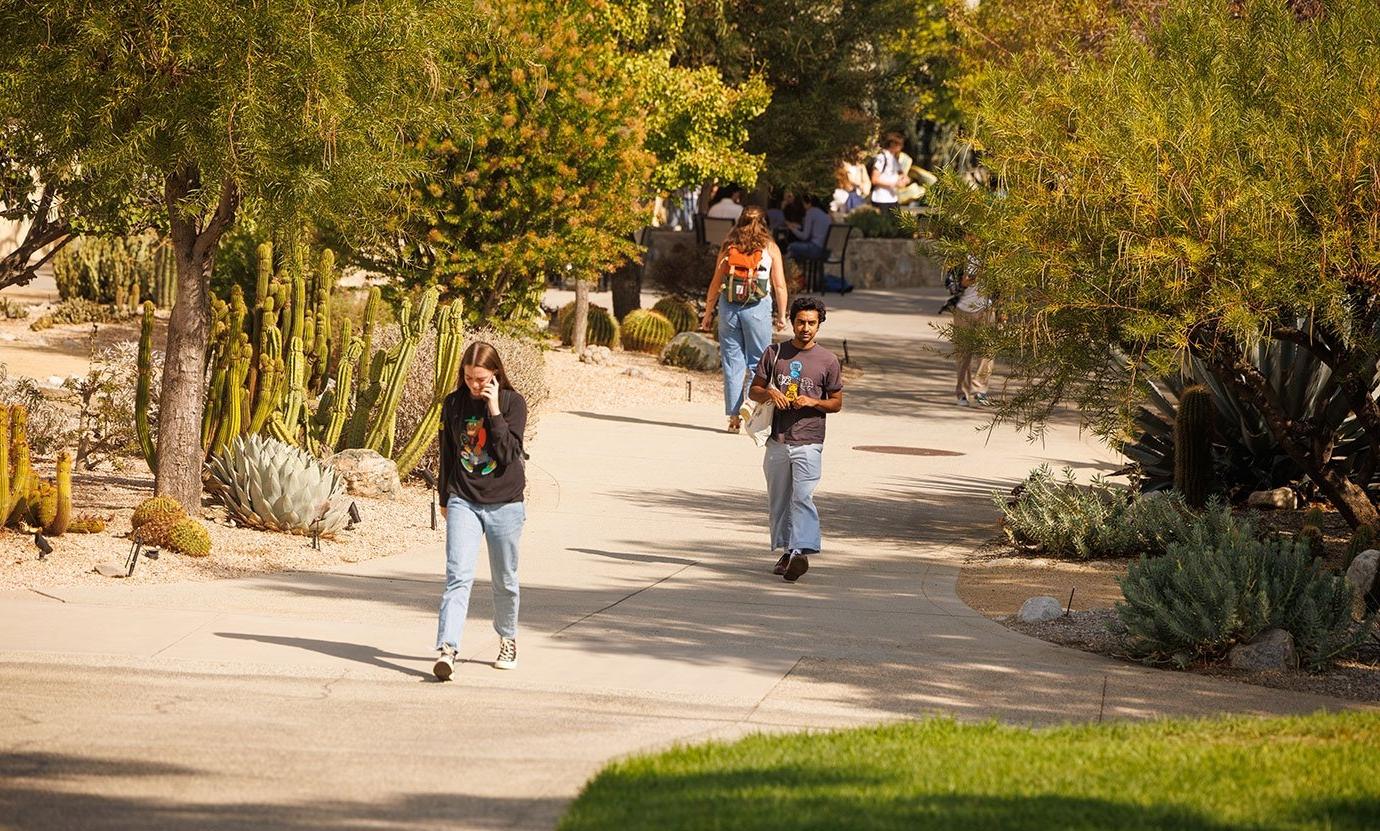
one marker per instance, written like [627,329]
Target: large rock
[1280,499]
[1272,649]
[597,355]
[1360,575]
[366,473]
[1040,609]
[692,350]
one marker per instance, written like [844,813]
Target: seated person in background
[811,234]
[730,204]
[848,193]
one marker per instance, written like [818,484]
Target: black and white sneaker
[507,654]
[796,566]
[780,567]
[445,664]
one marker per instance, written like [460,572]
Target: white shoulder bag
[757,416]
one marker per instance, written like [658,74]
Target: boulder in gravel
[597,355]
[692,350]
[1040,609]
[638,373]
[1272,649]
[1279,499]
[366,473]
[1360,575]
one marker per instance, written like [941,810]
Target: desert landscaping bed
[997,578]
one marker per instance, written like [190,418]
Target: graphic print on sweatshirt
[473,457]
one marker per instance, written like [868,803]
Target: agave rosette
[265,483]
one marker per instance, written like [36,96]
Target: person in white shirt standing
[729,204]
[887,176]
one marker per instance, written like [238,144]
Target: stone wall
[891,264]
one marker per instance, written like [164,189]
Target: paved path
[303,701]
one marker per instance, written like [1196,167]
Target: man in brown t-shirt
[805,382]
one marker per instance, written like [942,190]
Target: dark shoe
[780,567]
[798,565]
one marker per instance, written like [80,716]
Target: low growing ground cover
[1296,773]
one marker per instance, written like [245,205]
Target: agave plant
[1247,457]
[268,484]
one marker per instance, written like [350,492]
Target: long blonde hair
[750,232]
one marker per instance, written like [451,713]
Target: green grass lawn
[1316,772]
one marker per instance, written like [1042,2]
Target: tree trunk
[181,400]
[627,288]
[581,327]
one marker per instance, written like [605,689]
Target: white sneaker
[507,654]
[445,664]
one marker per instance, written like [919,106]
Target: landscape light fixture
[44,547]
[355,517]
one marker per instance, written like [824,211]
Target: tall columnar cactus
[22,479]
[413,323]
[143,389]
[1193,464]
[62,513]
[339,409]
[164,288]
[450,348]
[646,331]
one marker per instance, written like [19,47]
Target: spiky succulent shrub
[1058,517]
[156,508]
[646,331]
[602,329]
[680,312]
[267,484]
[1198,601]
[155,531]
[187,536]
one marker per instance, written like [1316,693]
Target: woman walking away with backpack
[481,487]
[748,291]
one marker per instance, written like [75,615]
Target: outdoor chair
[835,245]
[712,230]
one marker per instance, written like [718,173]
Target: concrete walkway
[649,616]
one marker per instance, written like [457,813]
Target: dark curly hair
[807,304]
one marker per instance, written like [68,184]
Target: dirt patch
[996,582]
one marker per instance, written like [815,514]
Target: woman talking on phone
[480,489]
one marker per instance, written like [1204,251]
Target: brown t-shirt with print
[814,373]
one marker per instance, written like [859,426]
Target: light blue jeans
[744,334]
[793,473]
[501,527]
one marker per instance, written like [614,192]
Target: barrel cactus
[187,536]
[268,484]
[646,331]
[156,508]
[680,312]
[602,328]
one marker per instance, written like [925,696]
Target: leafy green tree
[1202,180]
[199,106]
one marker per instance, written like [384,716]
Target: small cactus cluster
[25,499]
[276,367]
[646,331]
[601,330]
[680,312]
[161,521]
[1312,531]
[1362,539]
[118,271]
[1193,463]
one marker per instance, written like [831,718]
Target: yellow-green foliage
[86,524]
[602,329]
[156,508]
[187,536]
[680,312]
[646,331]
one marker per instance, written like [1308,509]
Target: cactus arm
[449,349]
[5,504]
[413,325]
[143,392]
[344,375]
[62,516]
[296,389]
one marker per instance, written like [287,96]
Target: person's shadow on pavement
[349,651]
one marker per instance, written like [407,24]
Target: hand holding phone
[491,395]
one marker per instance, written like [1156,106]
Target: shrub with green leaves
[1199,600]
[1058,517]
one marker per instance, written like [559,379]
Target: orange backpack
[742,283]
